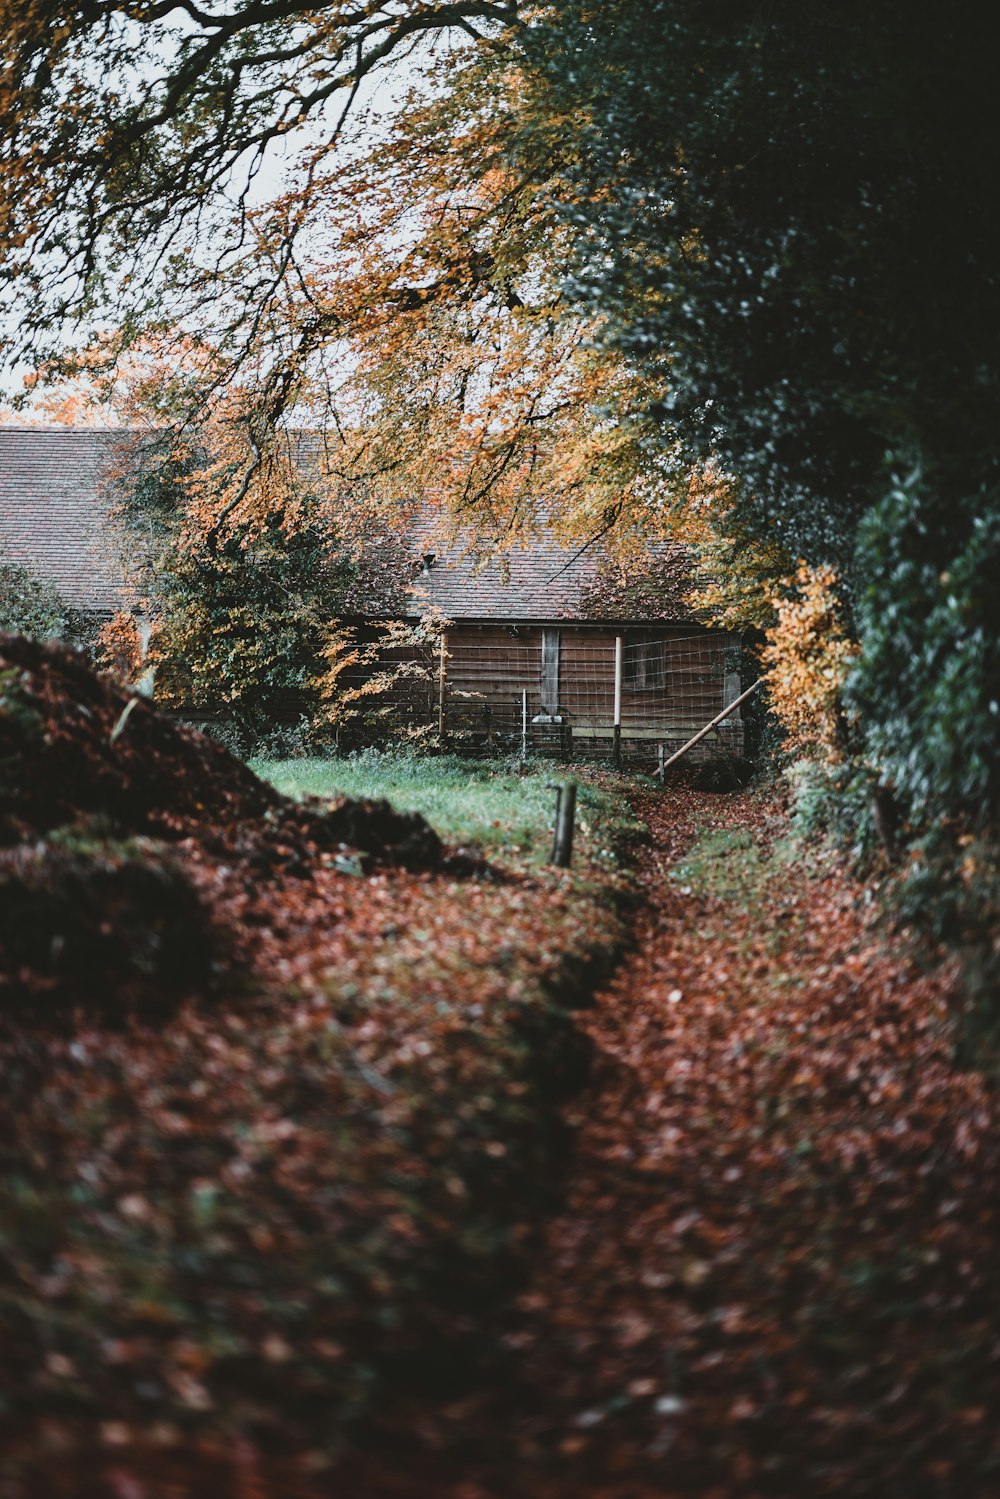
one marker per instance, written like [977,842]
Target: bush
[119,647]
[28,607]
[927,682]
[806,659]
[244,609]
[245,623]
[836,799]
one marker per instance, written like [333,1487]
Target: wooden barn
[546,648]
[570,651]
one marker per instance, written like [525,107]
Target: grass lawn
[507,813]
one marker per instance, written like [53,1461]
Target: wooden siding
[488,671]
[491,669]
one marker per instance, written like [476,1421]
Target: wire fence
[637,696]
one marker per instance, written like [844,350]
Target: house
[545,645]
[570,648]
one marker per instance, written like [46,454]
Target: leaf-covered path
[775,1268]
[299,1218]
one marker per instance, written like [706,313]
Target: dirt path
[775,1270]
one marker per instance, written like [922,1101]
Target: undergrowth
[939,883]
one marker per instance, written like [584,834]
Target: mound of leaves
[280,1102]
[96,786]
[85,918]
[73,744]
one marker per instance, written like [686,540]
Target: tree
[604,254]
[243,618]
[407,294]
[440,337]
[781,214]
[133,134]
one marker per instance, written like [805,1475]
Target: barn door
[549,686]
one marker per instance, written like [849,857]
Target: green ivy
[927,682]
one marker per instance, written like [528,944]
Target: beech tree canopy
[134,132]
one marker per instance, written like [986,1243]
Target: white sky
[378,98]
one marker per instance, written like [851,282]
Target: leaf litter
[301,1218]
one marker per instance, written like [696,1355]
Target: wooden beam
[710,726]
[662,732]
[617,734]
[442,688]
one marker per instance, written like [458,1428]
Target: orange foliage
[433,344]
[119,647]
[427,331]
[807,658]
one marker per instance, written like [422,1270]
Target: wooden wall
[689,678]
[677,678]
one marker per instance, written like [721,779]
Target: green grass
[724,863]
[490,806]
[735,865]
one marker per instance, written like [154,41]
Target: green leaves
[780,216]
[928,678]
[243,620]
[28,607]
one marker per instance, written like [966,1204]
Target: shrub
[838,799]
[244,623]
[927,681]
[806,660]
[383,692]
[119,647]
[30,607]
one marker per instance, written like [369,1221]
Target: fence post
[616,751]
[524,725]
[562,843]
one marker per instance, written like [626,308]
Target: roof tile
[54,520]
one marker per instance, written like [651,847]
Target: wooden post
[616,752]
[731,685]
[562,846]
[442,688]
[660,766]
[524,724]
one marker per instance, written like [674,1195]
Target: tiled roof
[53,511]
[54,521]
[543,581]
